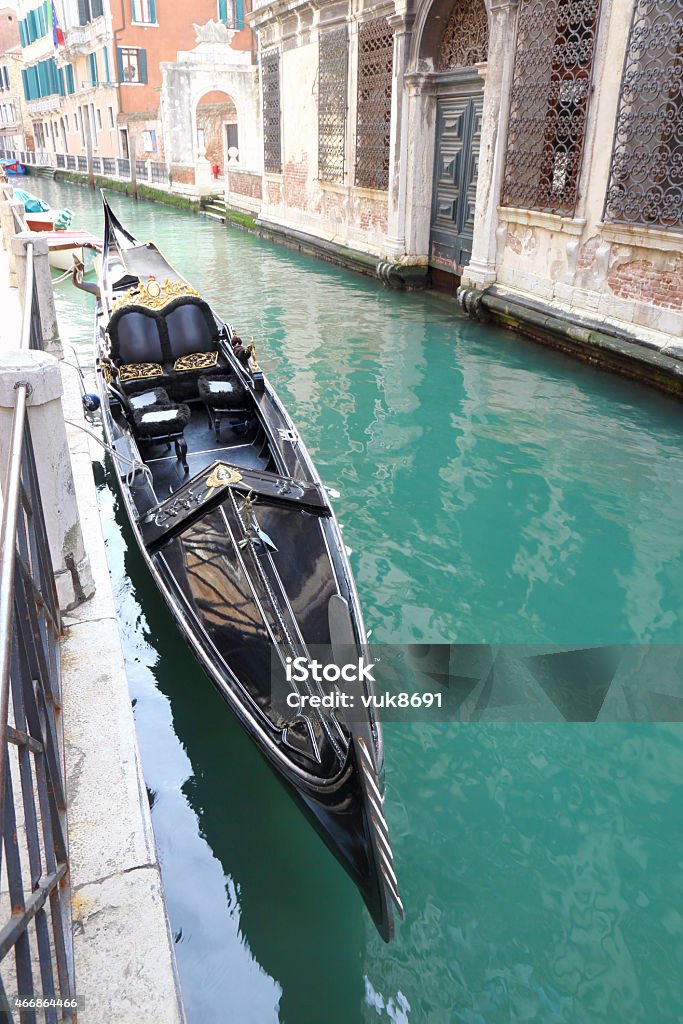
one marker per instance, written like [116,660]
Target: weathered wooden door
[458,137]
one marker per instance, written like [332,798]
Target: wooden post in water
[88,145]
[132,152]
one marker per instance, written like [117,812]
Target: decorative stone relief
[213,32]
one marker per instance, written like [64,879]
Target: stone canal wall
[124,956]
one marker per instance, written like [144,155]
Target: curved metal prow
[77,279]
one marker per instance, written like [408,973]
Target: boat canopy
[32,204]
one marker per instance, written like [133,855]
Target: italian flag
[57,34]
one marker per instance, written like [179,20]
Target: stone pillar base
[53,466]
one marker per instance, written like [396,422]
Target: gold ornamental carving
[154,294]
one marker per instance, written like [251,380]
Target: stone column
[420,171]
[497,73]
[43,286]
[395,241]
[53,466]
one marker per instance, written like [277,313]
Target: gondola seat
[158,420]
[223,395]
[136,351]
[191,334]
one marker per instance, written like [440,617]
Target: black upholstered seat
[171,346]
[223,395]
[222,391]
[134,337]
[190,328]
[158,420]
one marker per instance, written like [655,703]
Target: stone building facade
[522,148]
[94,78]
[210,103]
[15,125]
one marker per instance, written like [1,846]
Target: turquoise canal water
[490,490]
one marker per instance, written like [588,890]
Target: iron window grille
[373,123]
[646,173]
[270,81]
[333,61]
[549,103]
[466,39]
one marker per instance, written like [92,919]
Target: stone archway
[446,99]
[215,111]
[446,38]
[206,82]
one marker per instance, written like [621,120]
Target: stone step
[214,215]
[42,172]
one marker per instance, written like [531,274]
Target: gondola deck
[237,531]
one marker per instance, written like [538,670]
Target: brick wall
[296,183]
[642,281]
[373,215]
[274,193]
[182,175]
[245,184]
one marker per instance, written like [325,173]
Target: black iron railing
[36,956]
[111,167]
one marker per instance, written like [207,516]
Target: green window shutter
[119,64]
[22,33]
[152,11]
[107,76]
[239,13]
[142,63]
[92,58]
[62,89]
[223,10]
[24,82]
[70,79]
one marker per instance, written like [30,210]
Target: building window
[270,79]
[107,73]
[111,117]
[132,64]
[373,123]
[88,10]
[99,119]
[149,141]
[4,79]
[549,102]
[333,62]
[231,13]
[646,175]
[92,63]
[43,79]
[466,39]
[144,11]
[69,79]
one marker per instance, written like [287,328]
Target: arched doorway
[217,129]
[455,43]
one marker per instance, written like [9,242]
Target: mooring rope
[135,464]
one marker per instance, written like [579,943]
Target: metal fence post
[43,286]
[53,465]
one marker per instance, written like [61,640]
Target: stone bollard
[43,283]
[8,224]
[53,465]
[6,219]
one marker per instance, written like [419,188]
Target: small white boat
[63,246]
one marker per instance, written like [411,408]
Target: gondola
[237,530]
